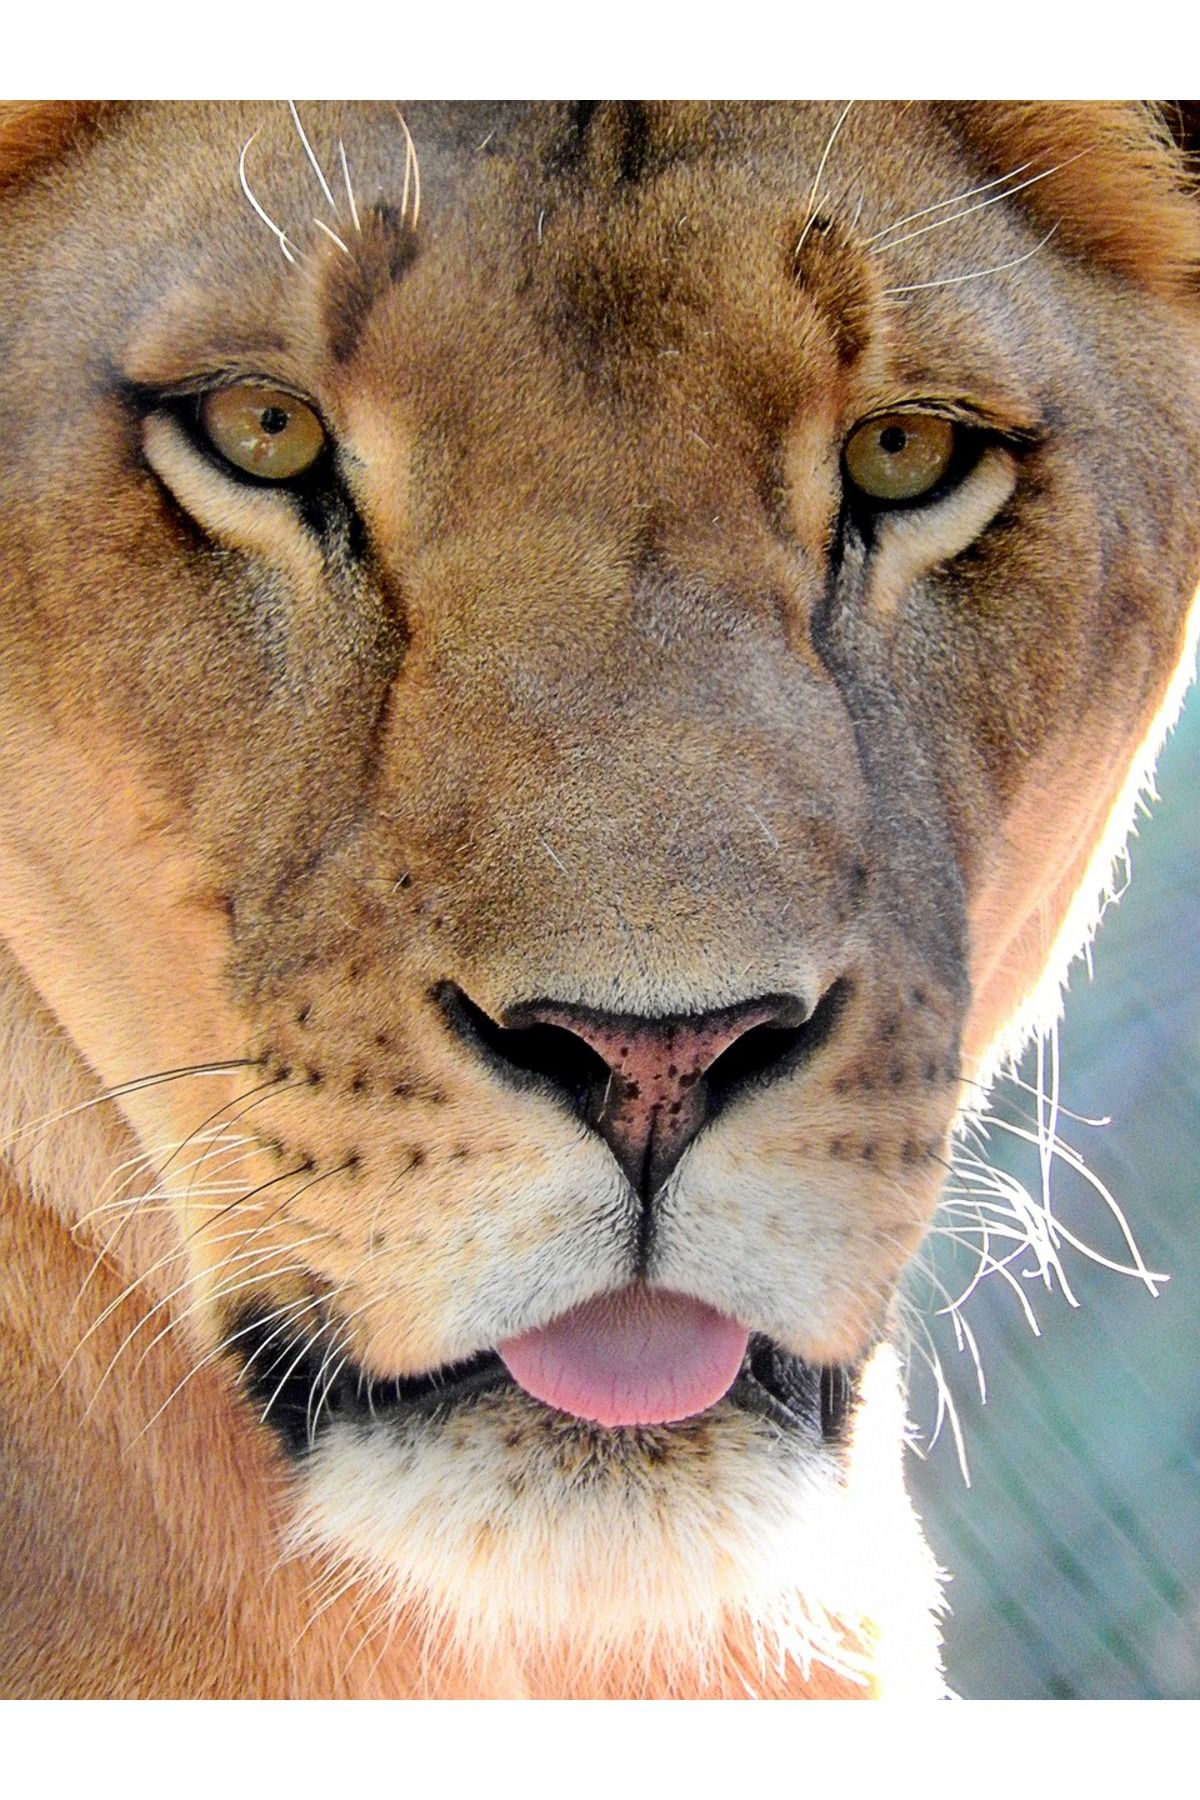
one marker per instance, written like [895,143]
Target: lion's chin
[499,1535]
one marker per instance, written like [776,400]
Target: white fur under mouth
[516,1536]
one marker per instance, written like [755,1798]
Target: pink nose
[653,1097]
[645,1085]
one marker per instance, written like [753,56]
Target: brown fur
[36,132]
[579,712]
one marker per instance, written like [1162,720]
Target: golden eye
[900,455]
[264,431]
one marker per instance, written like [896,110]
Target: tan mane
[1119,194]
[34,133]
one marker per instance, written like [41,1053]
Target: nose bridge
[645,801]
[672,807]
[723,753]
[598,694]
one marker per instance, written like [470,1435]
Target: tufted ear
[35,132]
[1121,191]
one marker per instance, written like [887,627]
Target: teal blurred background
[1075,1553]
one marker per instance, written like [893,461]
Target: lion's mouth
[300,1391]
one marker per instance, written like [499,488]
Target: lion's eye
[899,456]
[263,431]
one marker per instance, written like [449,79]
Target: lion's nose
[647,1086]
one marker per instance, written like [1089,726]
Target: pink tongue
[635,1357]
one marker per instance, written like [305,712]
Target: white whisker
[219,1293]
[979,206]
[296,1307]
[321,226]
[308,151]
[308,1344]
[266,218]
[916,287]
[955,200]
[256,1256]
[349,189]
[946,1409]
[811,210]
[134,1086]
[1057,1230]
[410,164]
[245,1200]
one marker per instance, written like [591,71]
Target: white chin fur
[511,1540]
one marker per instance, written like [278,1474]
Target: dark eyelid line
[323,503]
[148,397]
[978,420]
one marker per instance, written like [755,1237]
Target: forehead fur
[1121,191]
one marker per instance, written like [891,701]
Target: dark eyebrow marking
[403,239]
[635,144]
[613,134]
[385,252]
[570,146]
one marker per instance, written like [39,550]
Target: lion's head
[569,675]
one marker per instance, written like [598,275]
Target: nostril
[552,1052]
[774,1047]
[645,1085]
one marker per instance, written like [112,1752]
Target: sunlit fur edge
[1042,1006]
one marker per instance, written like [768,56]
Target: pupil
[893,439]
[274,419]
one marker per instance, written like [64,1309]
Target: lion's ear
[1120,191]
[35,132]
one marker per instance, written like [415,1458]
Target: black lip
[299,1395]
[793,1393]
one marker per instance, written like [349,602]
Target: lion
[571,678]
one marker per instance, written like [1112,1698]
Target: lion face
[575,693]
